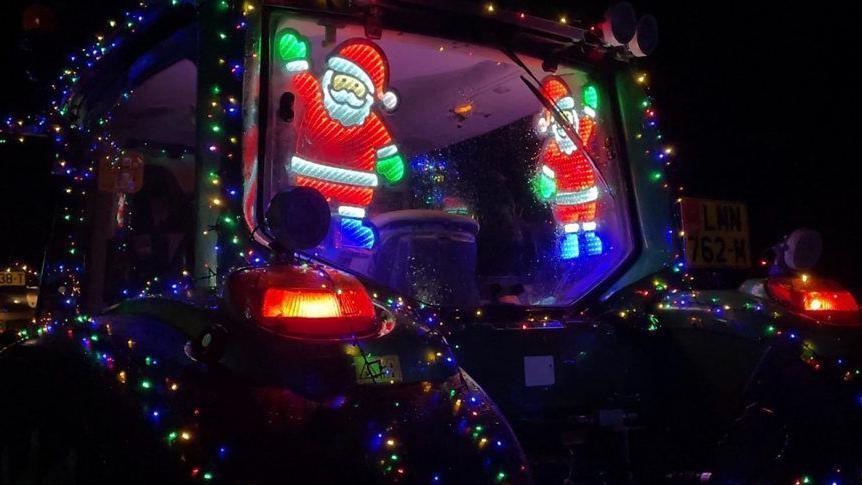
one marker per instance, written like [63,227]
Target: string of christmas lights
[83,143]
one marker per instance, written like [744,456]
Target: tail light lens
[822,299]
[281,303]
[304,302]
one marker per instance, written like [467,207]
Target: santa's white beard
[565,143]
[344,106]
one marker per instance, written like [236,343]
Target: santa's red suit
[334,156]
[575,200]
[574,203]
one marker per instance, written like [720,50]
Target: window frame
[604,71]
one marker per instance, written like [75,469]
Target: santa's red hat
[558,92]
[365,61]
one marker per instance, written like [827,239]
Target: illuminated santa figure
[343,148]
[567,179]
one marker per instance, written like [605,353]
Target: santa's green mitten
[292,48]
[391,168]
[590,96]
[543,186]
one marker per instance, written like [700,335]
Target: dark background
[758,98]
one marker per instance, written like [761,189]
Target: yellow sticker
[377,369]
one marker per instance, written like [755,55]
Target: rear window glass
[447,178]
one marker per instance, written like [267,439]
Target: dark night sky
[756,96]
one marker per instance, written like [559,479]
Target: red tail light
[311,302]
[278,302]
[824,300]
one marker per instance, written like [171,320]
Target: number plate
[715,233]
[13,278]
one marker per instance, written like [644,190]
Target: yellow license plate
[715,233]
[13,278]
[382,369]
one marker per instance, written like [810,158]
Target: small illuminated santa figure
[343,148]
[567,179]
